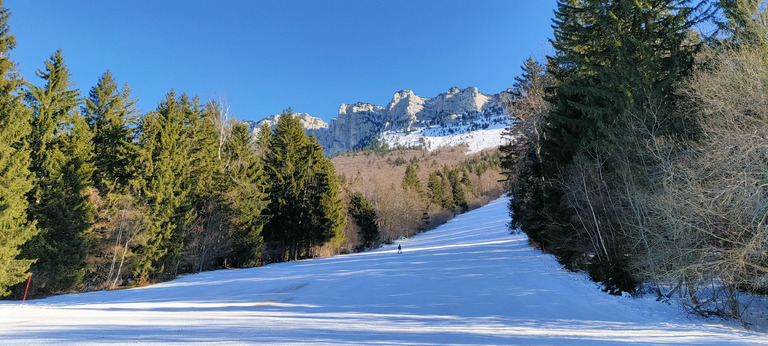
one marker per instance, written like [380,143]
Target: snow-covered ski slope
[467,282]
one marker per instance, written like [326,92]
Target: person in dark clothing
[399,248]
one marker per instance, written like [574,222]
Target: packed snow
[467,282]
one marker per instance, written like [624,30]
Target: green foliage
[642,52]
[615,67]
[458,190]
[740,22]
[436,192]
[411,180]
[165,154]
[206,239]
[305,207]
[111,113]
[247,196]
[521,161]
[15,178]
[366,220]
[62,162]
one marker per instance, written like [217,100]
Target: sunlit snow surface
[438,137]
[467,282]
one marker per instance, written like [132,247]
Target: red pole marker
[27,290]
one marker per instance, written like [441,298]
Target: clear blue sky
[266,56]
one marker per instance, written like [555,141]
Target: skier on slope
[399,248]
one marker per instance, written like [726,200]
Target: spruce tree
[366,220]
[521,160]
[305,207]
[411,180]
[15,178]
[164,157]
[613,58]
[62,162]
[615,66]
[436,192]
[111,113]
[207,242]
[457,190]
[247,196]
[330,210]
[284,159]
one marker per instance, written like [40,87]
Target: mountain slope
[458,116]
[466,282]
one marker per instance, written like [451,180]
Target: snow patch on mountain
[433,138]
[458,116]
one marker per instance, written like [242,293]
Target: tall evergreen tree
[164,157]
[521,158]
[615,66]
[305,204]
[613,58]
[411,180]
[458,190]
[207,242]
[365,219]
[15,178]
[62,162]
[330,211]
[247,196]
[436,192]
[111,113]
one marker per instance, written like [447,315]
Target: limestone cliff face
[353,128]
[358,124]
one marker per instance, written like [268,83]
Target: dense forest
[95,195]
[643,149]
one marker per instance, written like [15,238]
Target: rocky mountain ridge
[457,111]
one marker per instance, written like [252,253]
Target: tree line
[94,195]
[640,151]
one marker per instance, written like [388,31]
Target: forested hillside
[408,191]
[642,151]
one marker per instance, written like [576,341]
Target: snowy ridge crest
[458,116]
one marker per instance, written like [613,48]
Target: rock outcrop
[357,125]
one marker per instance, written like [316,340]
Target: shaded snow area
[485,137]
[466,282]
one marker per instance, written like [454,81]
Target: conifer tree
[15,178]
[164,157]
[411,180]
[111,113]
[62,162]
[611,58]
[435,185]
[305,207]
[615,66]
[330,210]
[521,158]
[365,219]
[111,116]
[247,196]
[457,189]
[207,242]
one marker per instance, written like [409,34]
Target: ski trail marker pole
[27,290]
